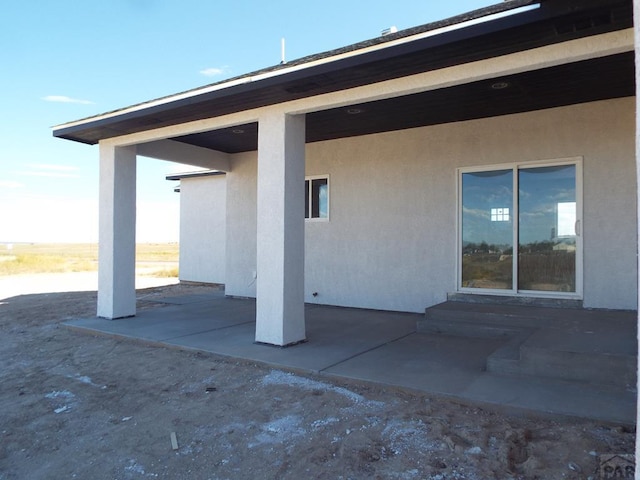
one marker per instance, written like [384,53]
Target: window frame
[515,215]
[309,198]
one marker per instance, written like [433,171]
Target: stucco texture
[203,229]
[390,242]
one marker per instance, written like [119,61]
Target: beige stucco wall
[203,229]
[391,239]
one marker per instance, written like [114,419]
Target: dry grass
[26,263]
[72,257]
[157,252]
[166,273]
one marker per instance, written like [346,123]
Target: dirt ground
[78,406]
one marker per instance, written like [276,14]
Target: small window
[317,197]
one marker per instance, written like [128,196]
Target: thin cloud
[49,170]
[49,166]
[65,99]
[49,174]
[10,184]
[214,71]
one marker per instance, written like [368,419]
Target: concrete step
[514,315]
[583,356]
[549,302]
[573,344]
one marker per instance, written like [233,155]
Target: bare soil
[93,407]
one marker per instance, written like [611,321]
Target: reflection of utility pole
[553,233]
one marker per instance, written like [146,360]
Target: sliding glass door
[519,229]
[547,229]
[487,229]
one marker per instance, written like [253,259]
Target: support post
[280,229]
[117,232]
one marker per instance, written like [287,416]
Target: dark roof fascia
[182,176]
[68,132]
[107,122]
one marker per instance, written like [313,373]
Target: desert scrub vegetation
[157,252]
[166,273]
[82,257]
[38,263]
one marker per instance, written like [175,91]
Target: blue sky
[64,60]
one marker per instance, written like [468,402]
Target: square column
[280,229]
[117,232]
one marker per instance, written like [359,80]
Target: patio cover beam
[179,152]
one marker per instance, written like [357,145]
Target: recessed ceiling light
[354,111]
[500,85]
[237,131]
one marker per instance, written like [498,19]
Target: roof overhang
[506,28]
[197,174]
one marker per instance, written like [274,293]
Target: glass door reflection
[487,229]
[547,228]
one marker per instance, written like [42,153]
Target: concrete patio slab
[554,396]
[455,366]
[333,335]
[375,346]
[172,322]
[435,363]
[187,299]
[617,341]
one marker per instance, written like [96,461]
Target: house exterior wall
[391,240]
[242,225]
[203,233]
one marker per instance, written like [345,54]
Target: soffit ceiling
[580,82]
[554,22]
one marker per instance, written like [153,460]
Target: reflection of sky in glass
[482,192]
[323,198]
[541,191]
[547,205]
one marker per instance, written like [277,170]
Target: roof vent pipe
[389,31]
